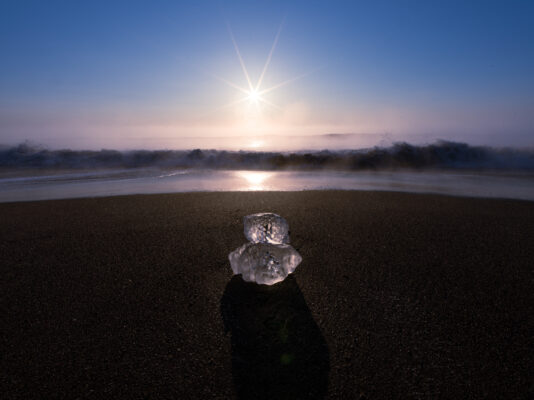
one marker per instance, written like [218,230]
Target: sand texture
[397,296]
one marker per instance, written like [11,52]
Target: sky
[169,74]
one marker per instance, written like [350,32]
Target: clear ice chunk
[264,263]
[266,228]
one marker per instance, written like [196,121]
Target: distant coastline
[438,155]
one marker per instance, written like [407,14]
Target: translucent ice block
[266,228]
[264,263]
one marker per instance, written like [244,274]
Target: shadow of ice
[278,351]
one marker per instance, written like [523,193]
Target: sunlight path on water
[255,179]
[38,185]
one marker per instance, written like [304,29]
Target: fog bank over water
[438,155]
[291,141]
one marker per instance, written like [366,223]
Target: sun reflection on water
[256,144]
[255,180]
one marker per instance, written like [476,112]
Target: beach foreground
[398,296]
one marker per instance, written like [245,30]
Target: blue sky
[148,73]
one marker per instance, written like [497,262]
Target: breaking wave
[439,155]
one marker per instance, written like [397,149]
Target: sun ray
[261,99]
[233,103]
[286,82]
[269,56]
[229,83]
[240,58]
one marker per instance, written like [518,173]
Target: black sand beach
[398,296]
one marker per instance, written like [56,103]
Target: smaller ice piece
[264,263]
[266,228]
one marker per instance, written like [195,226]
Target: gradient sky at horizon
[138,74]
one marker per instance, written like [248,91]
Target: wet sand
[398,296]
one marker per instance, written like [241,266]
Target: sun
[255,94]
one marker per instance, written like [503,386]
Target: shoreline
[156,181]
[225,192]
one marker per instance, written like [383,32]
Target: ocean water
[32,172]
[27,185]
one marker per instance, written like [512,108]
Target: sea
[29,172]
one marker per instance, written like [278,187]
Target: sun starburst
[254,94]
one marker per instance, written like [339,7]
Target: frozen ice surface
[267,258]
[266,228]
[264,263]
